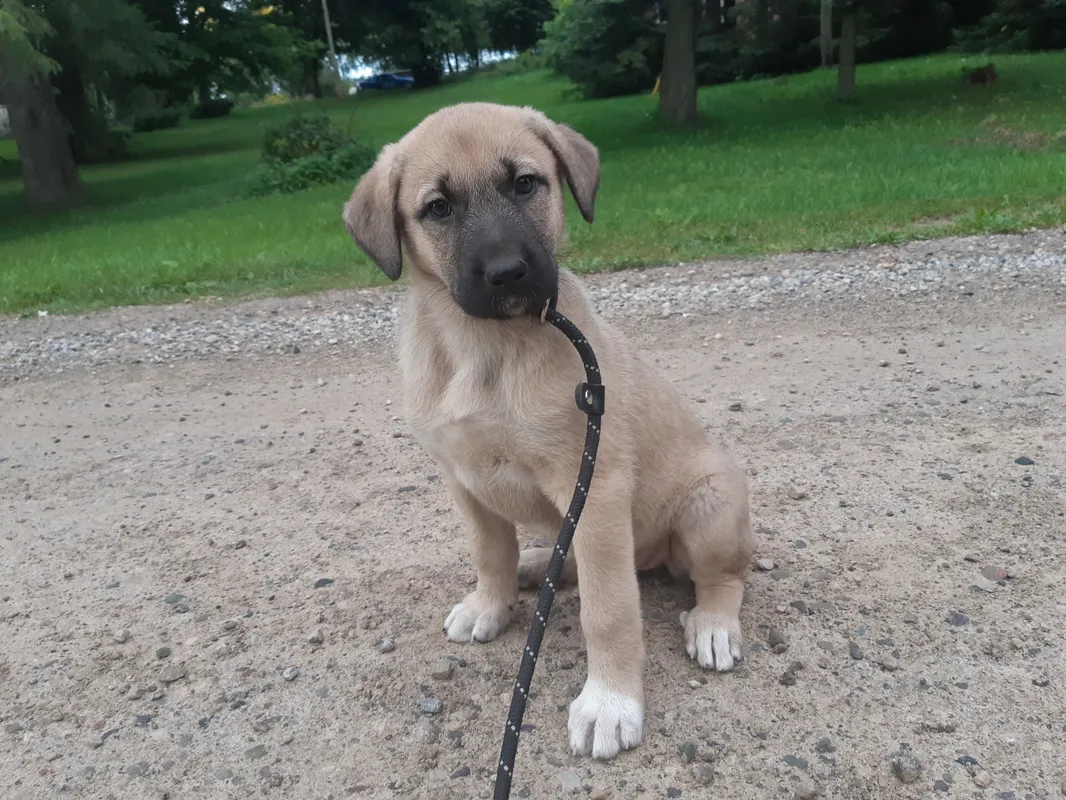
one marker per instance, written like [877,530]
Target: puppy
[473,198]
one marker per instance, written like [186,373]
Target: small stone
[257,751]
[883,362]
[1041,681]
[736,406]
[430,705]
[938,726]
[688,752]
[570,781]
[983,779]
[443,670]
[776,637]
[788,677]
[825,745]
[855,651]
[175,672]
[673,792]
[800,606]
[797,762]
[386,645]
[704,773]
[940,786]
[240,544]
[890,664]
[806,789]
[426,732]
[121,636]
[797,493]
[162,652]
[967,761]
[764,564]
[137,770]
[600,793]
[290,673]
[13,728]
[173,599]
[994,573]
[957,619]
[1024,461]
[316,638]
[223,774]
[322,583]
[462,772]
[906,767]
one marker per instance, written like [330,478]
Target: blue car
[386,81]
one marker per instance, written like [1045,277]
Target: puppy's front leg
[608,715]
[486,611]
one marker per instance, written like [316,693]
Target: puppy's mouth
[510,305]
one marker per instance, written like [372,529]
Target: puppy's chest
[487,445]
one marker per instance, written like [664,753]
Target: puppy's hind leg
[533,566]
[714,534]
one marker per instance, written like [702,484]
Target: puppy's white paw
[477,619]
[604,721]
[713,640]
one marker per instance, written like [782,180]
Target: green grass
[775,165]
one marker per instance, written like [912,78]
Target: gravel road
[224,563]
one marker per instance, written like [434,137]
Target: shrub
[215,107]
[302,135]
[156,120]
[606,47]
[306,151]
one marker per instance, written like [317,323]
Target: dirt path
[201,560]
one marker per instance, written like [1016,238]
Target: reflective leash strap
[589,397]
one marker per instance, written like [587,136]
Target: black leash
[590,397]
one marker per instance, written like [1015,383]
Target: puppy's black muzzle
[505,270]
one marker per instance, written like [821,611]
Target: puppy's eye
[525,184]
[440,209]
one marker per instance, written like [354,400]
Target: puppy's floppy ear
[579,158]
[371,214]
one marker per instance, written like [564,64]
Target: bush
[606,47]
[525,62]
[215,107]
[306,151]
[302,135]
[156,120]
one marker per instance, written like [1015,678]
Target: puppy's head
[474,198]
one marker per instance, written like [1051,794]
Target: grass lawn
[776,165]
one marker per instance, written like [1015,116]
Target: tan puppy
[474,198]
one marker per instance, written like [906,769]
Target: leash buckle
[591,398]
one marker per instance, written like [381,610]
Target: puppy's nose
[501,273]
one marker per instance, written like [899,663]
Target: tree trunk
[846,70]
[49,175]
[677,96]
[826,37]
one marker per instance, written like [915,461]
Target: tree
[677,97]
[50,176]
[849,26]
[825,37]
[606,47]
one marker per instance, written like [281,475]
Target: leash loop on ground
[590,399]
